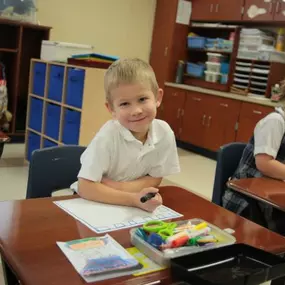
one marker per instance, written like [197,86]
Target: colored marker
[147,197]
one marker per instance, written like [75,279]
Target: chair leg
[279,281]
[9,276]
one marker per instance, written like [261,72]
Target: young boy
[131,153]
[264,155]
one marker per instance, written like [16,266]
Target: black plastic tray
[237,264]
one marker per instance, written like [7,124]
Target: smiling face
[134,106]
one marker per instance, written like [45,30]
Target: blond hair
[129,71]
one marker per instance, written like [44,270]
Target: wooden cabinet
[172,108]
[279,11]
[209,121]
[221,122]
[217,10]
[194,119]
[203,10]
[250,114]
[259,10]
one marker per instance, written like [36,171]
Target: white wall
[115,27]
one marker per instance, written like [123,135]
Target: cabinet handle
[257,112]
[270,7]
[212,8]
[209,121]
[178,113]
[217,8]
[182,112]
[224,105]
[277,7]
[165,51]
[174,94]
[196,99]
[204,119]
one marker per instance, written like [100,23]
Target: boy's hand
[151,204]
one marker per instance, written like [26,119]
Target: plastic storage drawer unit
[36,114]
[56,83]
[39,78]
[71,127]
[52,121]
[75,86]
[48,143]
[34,142]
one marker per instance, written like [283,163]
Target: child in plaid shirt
[264,155]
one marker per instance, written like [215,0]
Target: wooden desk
[29,230]
[270,191]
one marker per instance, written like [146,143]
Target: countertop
[249,99]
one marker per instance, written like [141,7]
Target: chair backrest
[228,159]
[52,169]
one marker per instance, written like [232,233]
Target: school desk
[29,230]
[270,191]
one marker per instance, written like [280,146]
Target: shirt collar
[280,110]
[152,136]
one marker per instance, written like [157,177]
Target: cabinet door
[203,10]
[228,10]
[163,29]
[280,11]
[222,117]
[194,119]
[249,116]
[259,10]
[173,104]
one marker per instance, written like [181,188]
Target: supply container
[196,42]
[213,66]
[212,76]
[163,257]
[215,57]
[195,70]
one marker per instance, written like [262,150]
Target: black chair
[53,169]
[228,159]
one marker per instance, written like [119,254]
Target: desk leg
[9,276]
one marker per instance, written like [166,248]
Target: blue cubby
[71,127]
[34,142]
[55,86]
[75,87]
[48,143]
[36,114]
[39,78]
[52,121]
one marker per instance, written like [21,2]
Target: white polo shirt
[269,132]
[116,154]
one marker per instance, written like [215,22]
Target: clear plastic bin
[212,76]
[213,66]
[163,257]
[215,57]
[19,10]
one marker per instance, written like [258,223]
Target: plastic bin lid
[212,72]
[214,54]
[63,44]
[213,63]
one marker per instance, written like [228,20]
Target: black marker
[147,197]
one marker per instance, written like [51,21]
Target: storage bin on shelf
[195,70]
[216,57]
[34,142]
[213,66]
[212,76]
[38,87]
[36,114]
[56,83]
[52,121]
[196,42]
[224,78]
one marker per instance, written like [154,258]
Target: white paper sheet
[103,218]
[184,12]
